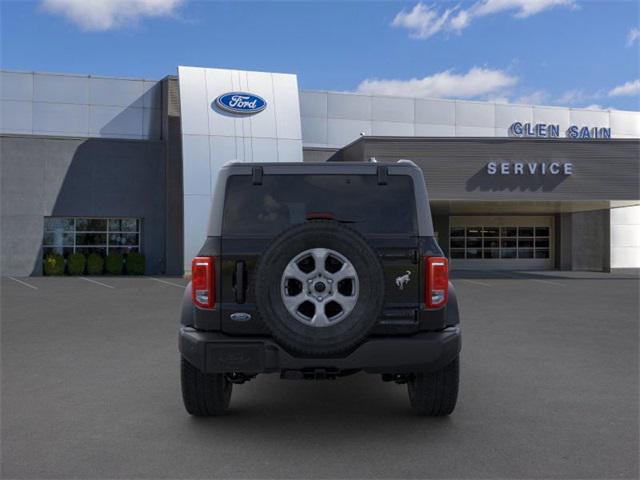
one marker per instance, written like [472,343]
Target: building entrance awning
[484,207]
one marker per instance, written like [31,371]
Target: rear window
[285,200]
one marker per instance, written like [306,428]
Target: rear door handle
[240,282]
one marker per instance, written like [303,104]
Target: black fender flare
[453,313]
[187,310]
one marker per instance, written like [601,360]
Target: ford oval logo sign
[240,103]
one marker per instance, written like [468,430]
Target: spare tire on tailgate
[319,288]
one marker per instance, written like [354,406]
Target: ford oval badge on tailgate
[240,317]
[240,103]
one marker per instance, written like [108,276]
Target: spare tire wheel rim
[319,287]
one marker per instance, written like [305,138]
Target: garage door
[509,243]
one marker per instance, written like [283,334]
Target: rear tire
[434,394]
[204,394]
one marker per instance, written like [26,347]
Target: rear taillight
[436,281]
[203,282]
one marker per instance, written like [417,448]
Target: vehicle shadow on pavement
[327,404]
[327,414]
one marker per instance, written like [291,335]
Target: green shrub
[135,263]
[113,263]
[53,264]
[76,263]
[95,264]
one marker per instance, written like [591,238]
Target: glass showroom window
[65,235]
[499,242]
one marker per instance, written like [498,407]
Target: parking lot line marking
[167,283]
[97,282]
[24,283]
[548,282]
[476,282]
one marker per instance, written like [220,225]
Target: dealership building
[101,164]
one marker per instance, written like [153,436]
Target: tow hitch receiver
[312,374]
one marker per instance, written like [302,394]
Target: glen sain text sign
[545,130]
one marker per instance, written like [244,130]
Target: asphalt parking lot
[549,389]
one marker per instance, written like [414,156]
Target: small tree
[76,263]
[53,264]
[135,263]
[113,263]
[95,264]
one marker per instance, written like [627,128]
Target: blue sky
[558,52]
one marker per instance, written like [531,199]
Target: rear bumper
[213,352]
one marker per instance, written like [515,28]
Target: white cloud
[475,83]
[100,15]
[631,87]
[524,8]
[633,36]
[424,22]
[571,97]
[421,21]
[539,97]
[595,106]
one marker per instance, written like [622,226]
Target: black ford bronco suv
[315,271]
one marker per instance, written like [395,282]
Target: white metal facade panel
[424,130]
[472,114]
[341,132]
[552,115]
[61,89]
[194,223]
[116,92]
[349,106]
[288,148]
[435,112]
[287,108]
[16,117]
[196,179]
[625,237]
[625,123]
[314,130]
[393,129]
[194,112]
[389,109]
[465,131]
[264,124]
[589,117]
[506,115]
[152,94]
[107,121]
[265,148]
[313,104]
[346,115]
[211,137]
[80,106]
[16,86]
[61,119]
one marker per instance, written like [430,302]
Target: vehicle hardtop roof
[337,166]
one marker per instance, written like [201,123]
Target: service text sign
[530,168]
